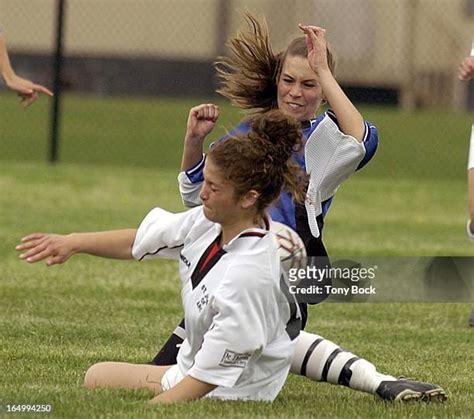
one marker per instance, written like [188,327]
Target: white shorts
[171,377]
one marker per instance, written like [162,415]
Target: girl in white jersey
[466,72]
[240,321]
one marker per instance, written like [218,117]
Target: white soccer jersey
[239,322]
[331,157]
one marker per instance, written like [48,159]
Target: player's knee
[96,376]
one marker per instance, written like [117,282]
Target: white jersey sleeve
[190,182]
[331,157]
[238,332]
[161,234]
[470,234]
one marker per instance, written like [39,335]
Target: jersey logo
[184,260]
[234,359]
[204,300]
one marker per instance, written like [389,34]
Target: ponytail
[262,159]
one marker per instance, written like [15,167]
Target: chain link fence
[132,68]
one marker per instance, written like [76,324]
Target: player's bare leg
[322,360]
[125,375]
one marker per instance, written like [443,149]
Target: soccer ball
[291,248]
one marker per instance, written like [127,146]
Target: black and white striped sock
[322,360]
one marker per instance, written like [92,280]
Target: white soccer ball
[291,248]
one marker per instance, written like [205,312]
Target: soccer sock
[322,360]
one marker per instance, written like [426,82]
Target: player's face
[299,93]
[217,196]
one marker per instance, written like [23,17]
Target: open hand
[26,89]
[466,69]
[317,47]
[55,248]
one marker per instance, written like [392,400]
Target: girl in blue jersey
[297,81]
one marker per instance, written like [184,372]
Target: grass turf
[58,321]
[141,132]
[121,157]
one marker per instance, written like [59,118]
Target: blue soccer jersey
[284,210]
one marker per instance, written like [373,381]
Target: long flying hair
[249,76]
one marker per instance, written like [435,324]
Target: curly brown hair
[249,76]
[264,162]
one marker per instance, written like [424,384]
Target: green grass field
[148,133]
[57,321]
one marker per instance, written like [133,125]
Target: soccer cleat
[406,390]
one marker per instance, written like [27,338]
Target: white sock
[322,360]
[470,162]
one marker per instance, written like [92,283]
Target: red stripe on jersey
[207,261]
[212,252]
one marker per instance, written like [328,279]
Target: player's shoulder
[310,125]
[328,115]
[243,127]
[193,221]
[255,261]
[200,222]
[253,242]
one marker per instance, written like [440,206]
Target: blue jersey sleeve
[371,142]
[196,173]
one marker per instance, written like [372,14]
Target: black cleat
[406,390]
[471,318]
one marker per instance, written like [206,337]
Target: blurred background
[132,68]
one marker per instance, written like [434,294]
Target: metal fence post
[224,8]
[57,69]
